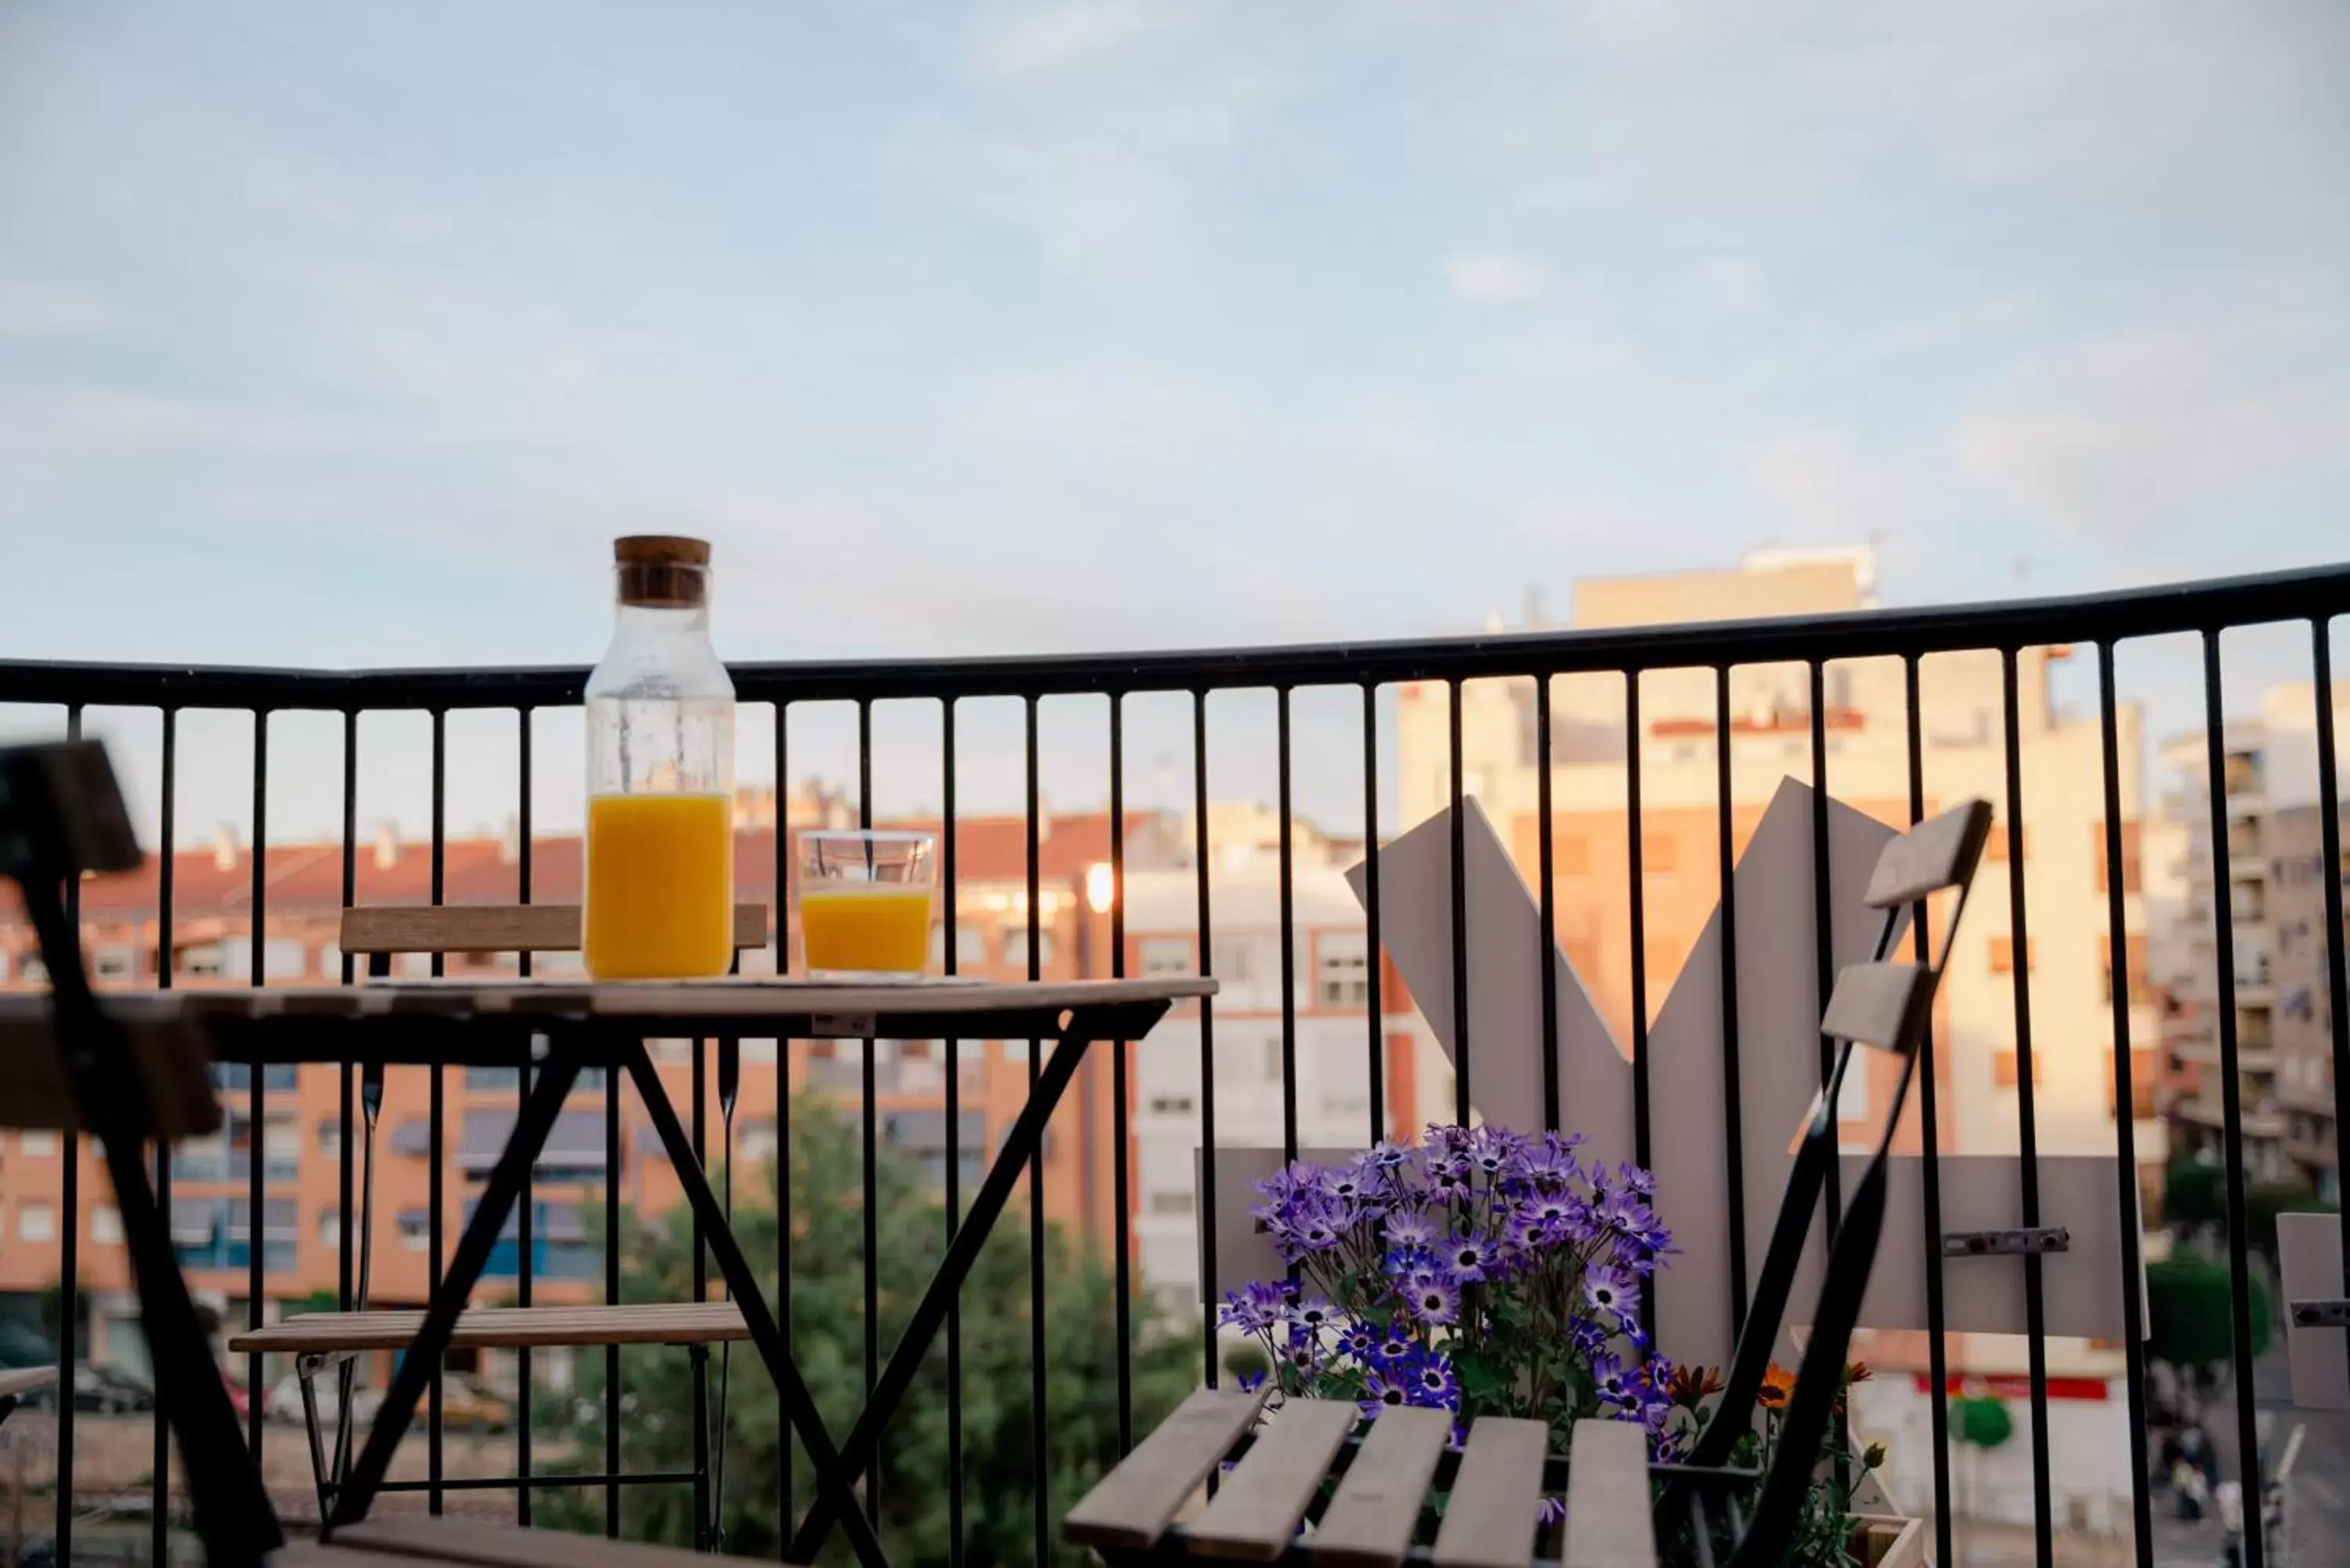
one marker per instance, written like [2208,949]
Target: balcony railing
[1440,676]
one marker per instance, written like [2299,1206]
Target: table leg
[799,1405]
[1019,1147]
[540,1110]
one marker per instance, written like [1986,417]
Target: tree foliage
[1984,1422]
[2190,1323]
[2194,1193]
[827,1332]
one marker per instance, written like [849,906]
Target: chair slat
[1490,1518]
[36,1092]
[1132,1506]
[1370,1521]
[24,1379]
[1939,852]
[1880,1004]
[504,1328]
[1256,1512]
[422,1538]
[492,928]
[1608,1524]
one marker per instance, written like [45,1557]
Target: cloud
[2113,436]
[1830,492]
[1496,277]
[1057,37]
[32,309]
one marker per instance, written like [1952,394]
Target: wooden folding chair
[60,817]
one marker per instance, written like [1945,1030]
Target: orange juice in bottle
[660,873]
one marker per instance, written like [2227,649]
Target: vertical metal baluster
[1207,1036]
[954,1139]
[783,1109]
[612,1080]
[256,1233]
[2232,1087]
[525,1241]
[2125,1114]
[1288,935]
[2329,796]
[872,1157]
[1375,1009]
[69,1259]
[1040,1436]
[697,1358]
[347,1229]
[1823,916]
[2035,1315]
[1937,1361]
[1459,923]
[1634,864]
[1120,1137]
[166,867]
[1546,869]
[436,1196]
[1734,1125]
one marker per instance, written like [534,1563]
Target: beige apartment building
[2059,849]
[2275,880]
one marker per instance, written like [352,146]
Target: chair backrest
[1881,1003]
[387,929]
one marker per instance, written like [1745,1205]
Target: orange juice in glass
[865,904]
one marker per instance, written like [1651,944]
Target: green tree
[1983,1422]
[828,1329]
[2190,1323]
[2264,1200]
[2194,1193]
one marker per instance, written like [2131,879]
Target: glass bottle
[660,876]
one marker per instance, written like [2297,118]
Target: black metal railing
[2304,599]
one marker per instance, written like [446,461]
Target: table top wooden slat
[728,998]
[1255,1514]
[649,1323]
[1608,1524]
[414,1537]
[1491,1517]
[492,927]
[35,1091]
[1371,1518]
[24,1379]
[1132,1506]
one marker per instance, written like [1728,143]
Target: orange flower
[1687,1386]
[1777,1384]
[1858,1372]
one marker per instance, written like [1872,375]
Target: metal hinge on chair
[2023,1241]
[2333,1313]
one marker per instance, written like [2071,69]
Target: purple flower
[1633,1178]
[1432,1382]
[1449,1180]
[1384,1155]
[1495,1151]
[1398,1344]
[1551,1514]
[1436,1303]
[1411,1266]
[1360,1341]
[1588,1337]
[1410,1228]
[1313,1314]
[1256,1308]
[1617,1384]
[1465,1258]
[1551,1165]
[1250,1380]
[1607,1289]
[1382,1392]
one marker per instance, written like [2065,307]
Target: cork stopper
[662,571]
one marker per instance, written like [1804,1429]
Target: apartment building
[2272,867]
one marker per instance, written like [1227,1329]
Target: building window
[1016,946]
[492,1080]
[1170,1104]
[281,1148]
[415,1232]
[412,966]
[114,962]
[1234,959]
[106,1225]
[1343,969]
[1995,846]
[1570,854]
[36,1223]
[1165,956]
[2130,855]
[1660,853]
[330,961]
[330,1138]
[2002,1069]
[37,1143]
[205,959]
[2003,955]
[330,1228]
[1172,1201]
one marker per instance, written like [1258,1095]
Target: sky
[348,336]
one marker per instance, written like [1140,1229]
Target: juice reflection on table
[660,887]
[868,928]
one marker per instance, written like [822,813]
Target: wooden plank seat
[18,1381]
[388,929]
[403,1541]
[1379,1486]
[329,1333]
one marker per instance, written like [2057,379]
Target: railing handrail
[2100,618]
